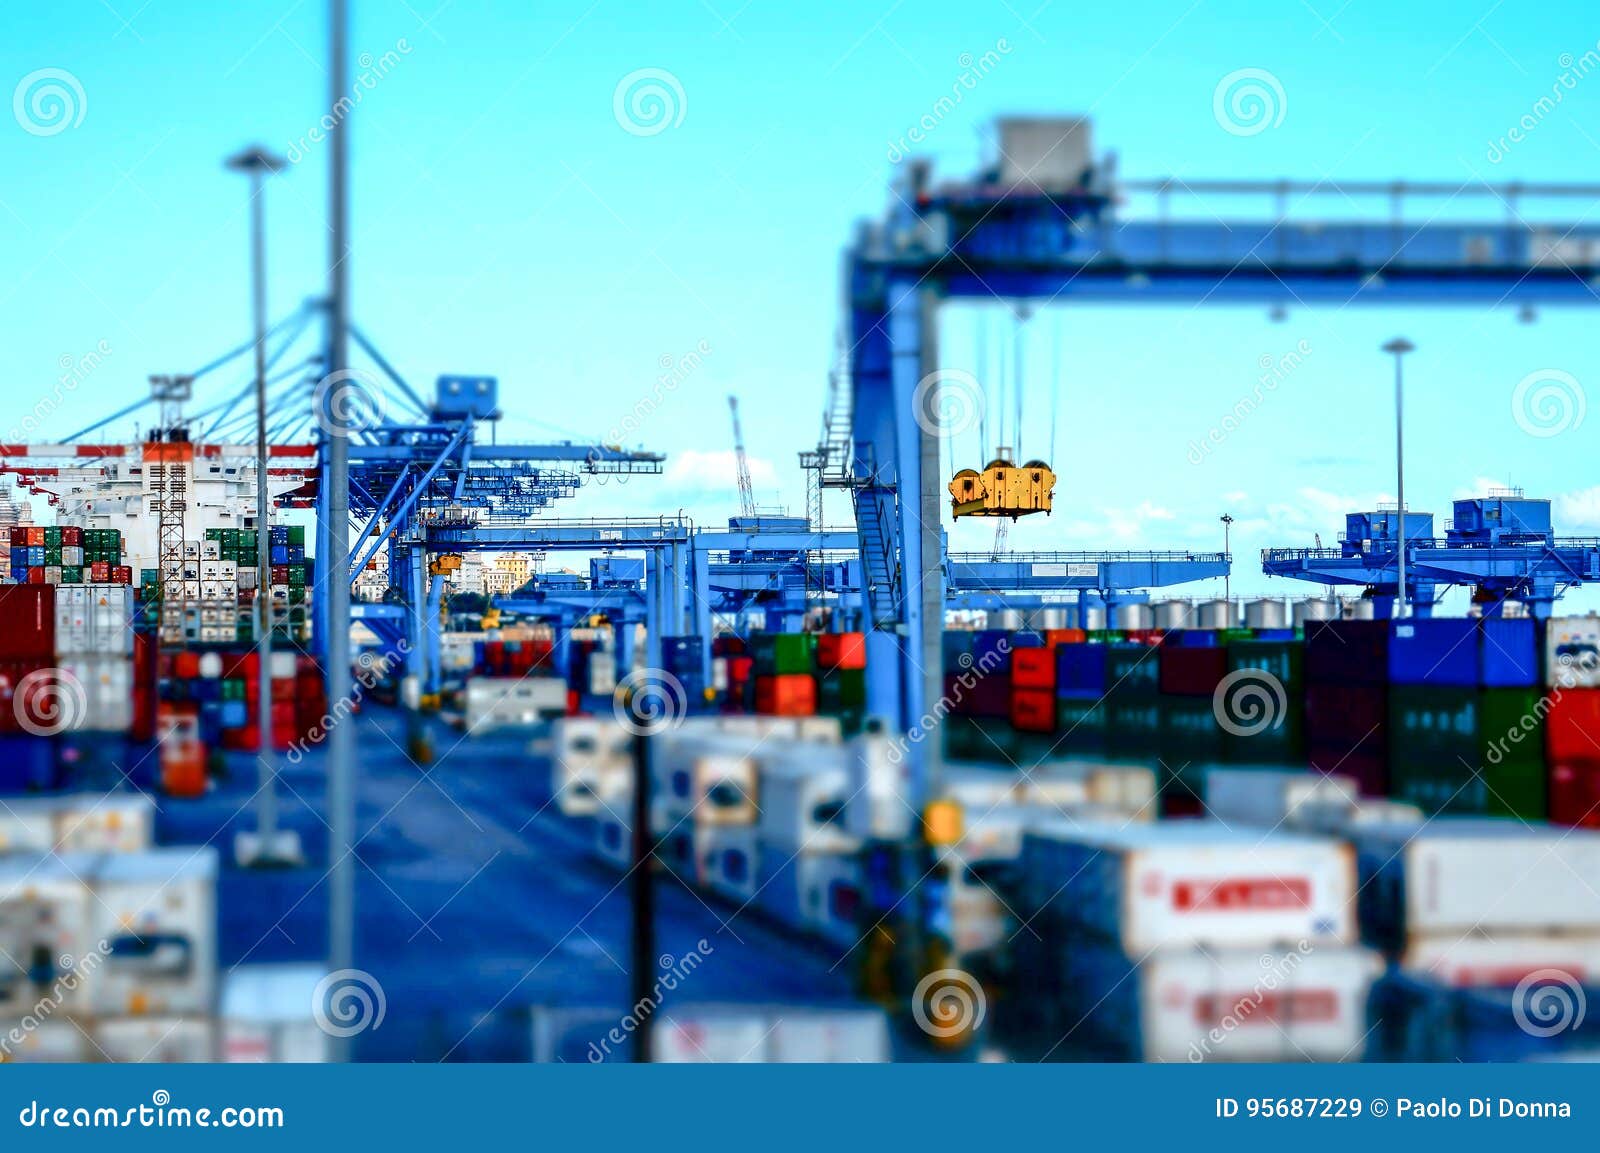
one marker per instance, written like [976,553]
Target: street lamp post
[268,846]
[1227,551]
[1398,347]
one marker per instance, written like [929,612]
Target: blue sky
[505,223]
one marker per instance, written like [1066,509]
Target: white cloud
[694,471]
[1577,513]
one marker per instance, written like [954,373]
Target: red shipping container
[983,696]
[1575,795]
[36,537]
[121,574]
[1033,669]
[28,622]
[1572,727]
[841,651]
[1347,717]
[27,694]
[186,666]
[788,695]
[1192,672]
[1367,763]
[727,645]
[147,659]
[1146,636]
[1033,710]
[19,536]
[71,536]
[100,572]
[740,670]
[1054,637]
[280,574]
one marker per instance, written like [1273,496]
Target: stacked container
[1347,702]
[1434,714]
[1572,719]
[95,646]
[1185,940]
[67,554]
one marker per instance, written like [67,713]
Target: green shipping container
[72,574]
[1433,725]
[1189,730]
[779,654]
[1134,727]
[1511,753]
[297,534]
[1282,659]
[1081,726]
[1133,670]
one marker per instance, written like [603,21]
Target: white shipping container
[722,1035]
[1180,882]
[157,1040]
[28,1041]
[803,805]
[1465,874]
[104,823]
[826,1036]
[818,893]
[602,674]
[1268,798]
[158,911]
[45,928]
[1229,1004]
[27,825]
[880,775]
[97,693]
[495,702]
[266,1015]
[727,857]
[1477,960]
[1572,652]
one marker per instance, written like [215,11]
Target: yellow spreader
[1003,489]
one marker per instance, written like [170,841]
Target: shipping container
[1188,882]
[1438,652]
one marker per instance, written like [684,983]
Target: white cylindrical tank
[1359,609]
[1009,619]
[1051,618]
[1266,613]
[1091,616]
[1133,617]
[1177,613]
[1315,609]
[1216,614]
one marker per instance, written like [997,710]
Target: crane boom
[747,496]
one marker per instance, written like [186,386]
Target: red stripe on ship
[1241,894]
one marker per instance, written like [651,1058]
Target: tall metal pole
[257,163]
[1227,551]
[1399,347]
[336,565]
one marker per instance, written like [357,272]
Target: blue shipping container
[1509,654]
[991,649]
[1081,671]
[1440,651]
[280,554]
[1192,638]
[1027,640]
[27,762]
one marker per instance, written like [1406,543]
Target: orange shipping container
[1054,637]
[841,651]
[786,695]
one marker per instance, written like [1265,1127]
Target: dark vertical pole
[641,880]
[341,770]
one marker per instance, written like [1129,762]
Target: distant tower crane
[747,496]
